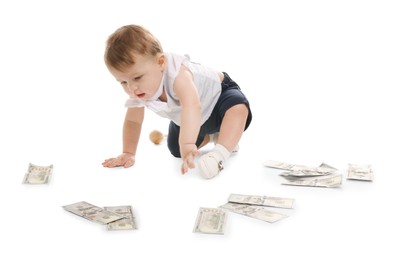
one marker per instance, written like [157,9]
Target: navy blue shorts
[231,95]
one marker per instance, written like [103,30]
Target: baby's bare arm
[190,117]
[131,135]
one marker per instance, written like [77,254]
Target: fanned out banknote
[289,166]
[325,165]
[210,221]
[296,170]
[324,175]
[279,165]
[38,174]
[126,223]
[327,181]
[276,202]
[258,212]
[92,212]
[362,172]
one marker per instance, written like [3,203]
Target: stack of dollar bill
[258,207]
[361,172]
[301,175]
[38,174]
[213,220]
[115,218]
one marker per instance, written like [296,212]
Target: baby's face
[142,79]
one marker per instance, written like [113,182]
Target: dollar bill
[92,212]
[210,221]
[327,181]
[257,212]
[297,170]
[38,174]
[307,172]
[278,165]
[277,202]
[126,223]
[361,172]
[325,165]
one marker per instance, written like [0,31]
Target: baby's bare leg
[231,130]
[232,127]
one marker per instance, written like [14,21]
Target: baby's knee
[174,150]
[240,110]
[175,154]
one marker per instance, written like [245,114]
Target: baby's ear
[162,60]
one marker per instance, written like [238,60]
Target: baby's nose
[132,87]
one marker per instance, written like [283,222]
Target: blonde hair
[126,42]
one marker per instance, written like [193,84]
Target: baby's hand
[125,159]
[188,158]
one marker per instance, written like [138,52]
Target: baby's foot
[210,164]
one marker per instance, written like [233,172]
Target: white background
[322,78]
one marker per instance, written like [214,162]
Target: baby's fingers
[112,162]
[184,167]
[107,162]
[190,160]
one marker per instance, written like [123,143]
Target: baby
[203,105]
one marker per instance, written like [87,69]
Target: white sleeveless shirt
[205,79]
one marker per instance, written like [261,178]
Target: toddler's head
[126,43]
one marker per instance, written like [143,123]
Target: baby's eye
[123,83]
[137,78]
